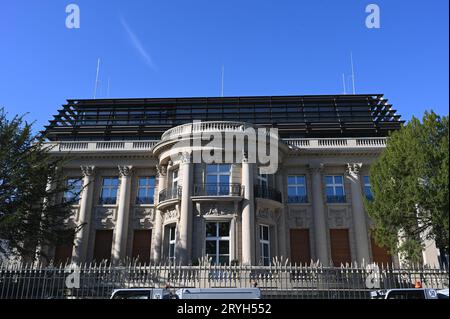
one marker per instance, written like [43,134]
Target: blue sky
[176,48]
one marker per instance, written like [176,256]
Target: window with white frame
[264,243]
[173,191]
[217,236]
[367,188]
[172,242]
[334,185]
[110,187]
[218,179]
[297,189]
[74,186]
[146,190]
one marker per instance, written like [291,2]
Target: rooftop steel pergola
[363,115]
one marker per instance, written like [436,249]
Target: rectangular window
[335,189]
[218,242]
[74,186]
[110,187]
[146,190]
[264,243]
[175,179]
[172,242]
[297,189]
[218,179]
[367,188]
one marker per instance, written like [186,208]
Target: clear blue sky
[174,48]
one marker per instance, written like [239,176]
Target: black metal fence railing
[267,192]
[280,280]
[169,193]
[219,189]
[337,199]
[300,199]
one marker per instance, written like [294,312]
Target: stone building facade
[144,197]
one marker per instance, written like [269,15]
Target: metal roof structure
[362,115]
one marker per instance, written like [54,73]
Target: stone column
[162,177]
[183,252]
[123,212]
[281,225]
[233,238]
[79,253]
[248,214]
[320,219]
[359,215]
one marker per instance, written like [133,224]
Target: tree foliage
[32,214]
[410,188]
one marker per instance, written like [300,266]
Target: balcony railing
[169,193]
[144,200]
[336,199]
[219,189]
[267,193]
[107,200]
[300,199]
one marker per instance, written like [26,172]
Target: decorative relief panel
[105,216]
[214,210]
[268,214]
[339,218]
[144,216]
[300,217]
[171,216]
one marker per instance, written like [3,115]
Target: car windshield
[131,295]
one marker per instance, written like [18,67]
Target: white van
[142,293]
[219,293]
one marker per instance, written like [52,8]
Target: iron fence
[313,281]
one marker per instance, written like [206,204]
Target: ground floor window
[218,242]
[172,242]
[264,243]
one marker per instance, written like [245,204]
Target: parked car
[442,294]
[219,293]
[142,293]
[409,293]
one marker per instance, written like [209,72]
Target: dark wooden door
[63,253]
[142,245]
[380,254]
[103,245]
[340,247]
[300,249]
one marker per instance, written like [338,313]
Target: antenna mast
[223,78]
[353,73]
[107,91]
[343,83]
[96,79]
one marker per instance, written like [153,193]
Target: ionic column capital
[125,171]
[87,170]
[353,169]
[315,168]
[185,158]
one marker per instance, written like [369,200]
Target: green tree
[32,215]
[410,188]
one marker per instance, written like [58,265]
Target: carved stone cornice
[88,170]
[125,171]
